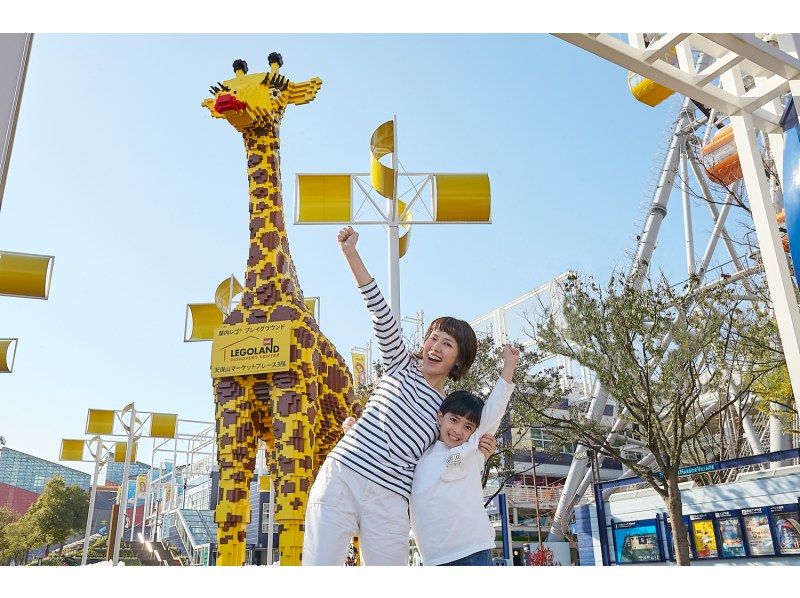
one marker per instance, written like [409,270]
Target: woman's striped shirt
[399,420]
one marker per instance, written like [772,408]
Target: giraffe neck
[270,276]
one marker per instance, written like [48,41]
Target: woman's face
[439,353]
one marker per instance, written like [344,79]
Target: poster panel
[786,525]
[704,540]
[359,367]
[731,539]
[637,542]
[757,530]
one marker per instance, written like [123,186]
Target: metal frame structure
[721,86]
[193,439]
[713,70]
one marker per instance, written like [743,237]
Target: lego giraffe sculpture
[297,412]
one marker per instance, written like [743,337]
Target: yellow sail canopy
[163,425]
[323,198]
[226,291]
[100,421]
[462,198]
[205,317]
[25,275]
[8,347]
[120,448]
[71,450]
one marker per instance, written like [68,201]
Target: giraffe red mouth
[226,102]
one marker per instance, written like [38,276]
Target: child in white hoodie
[449,522]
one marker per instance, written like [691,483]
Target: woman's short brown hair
[464,335]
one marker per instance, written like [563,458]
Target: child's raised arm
[496,404]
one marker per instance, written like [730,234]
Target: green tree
[59,511]
[672,361]
[19,537]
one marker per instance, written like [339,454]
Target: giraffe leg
[293,418]
[236,452]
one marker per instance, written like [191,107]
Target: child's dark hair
[465,404]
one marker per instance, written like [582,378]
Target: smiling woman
[364,485]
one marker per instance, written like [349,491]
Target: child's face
[454,430]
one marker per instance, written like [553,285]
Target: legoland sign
[250,349]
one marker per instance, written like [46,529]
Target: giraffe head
[258,99]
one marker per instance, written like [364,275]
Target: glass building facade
[31,473]
[114,471]
[23,477]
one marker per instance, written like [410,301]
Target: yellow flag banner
[359,367]
[250,349]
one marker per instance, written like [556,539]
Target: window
[541,439]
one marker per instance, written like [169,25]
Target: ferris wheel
[727,150]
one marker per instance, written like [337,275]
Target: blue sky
[141,196]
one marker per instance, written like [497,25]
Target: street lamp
[101,421]
[72,450]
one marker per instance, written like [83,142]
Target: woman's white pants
[343,504]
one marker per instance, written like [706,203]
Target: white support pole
[146,504]
[658,207]
[688,231]
[133,510]
[394,238]
[776,268]
[98,447]
[123,499]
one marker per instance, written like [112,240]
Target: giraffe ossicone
[297,412]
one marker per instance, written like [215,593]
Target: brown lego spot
[286,465]
[287,488]
[261,390]
[257,316]
[255,255]
[276,217]
[284,379]
[256,224]
[296,503]
[271,240]
[229,417]
[284,312]
[260,192]
[289,403]
[247,300]
[254,160]
[267,293]
[304,485]
[259,176]
[280,427]
[236,495]
[235,317]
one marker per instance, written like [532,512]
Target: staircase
[152,554]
